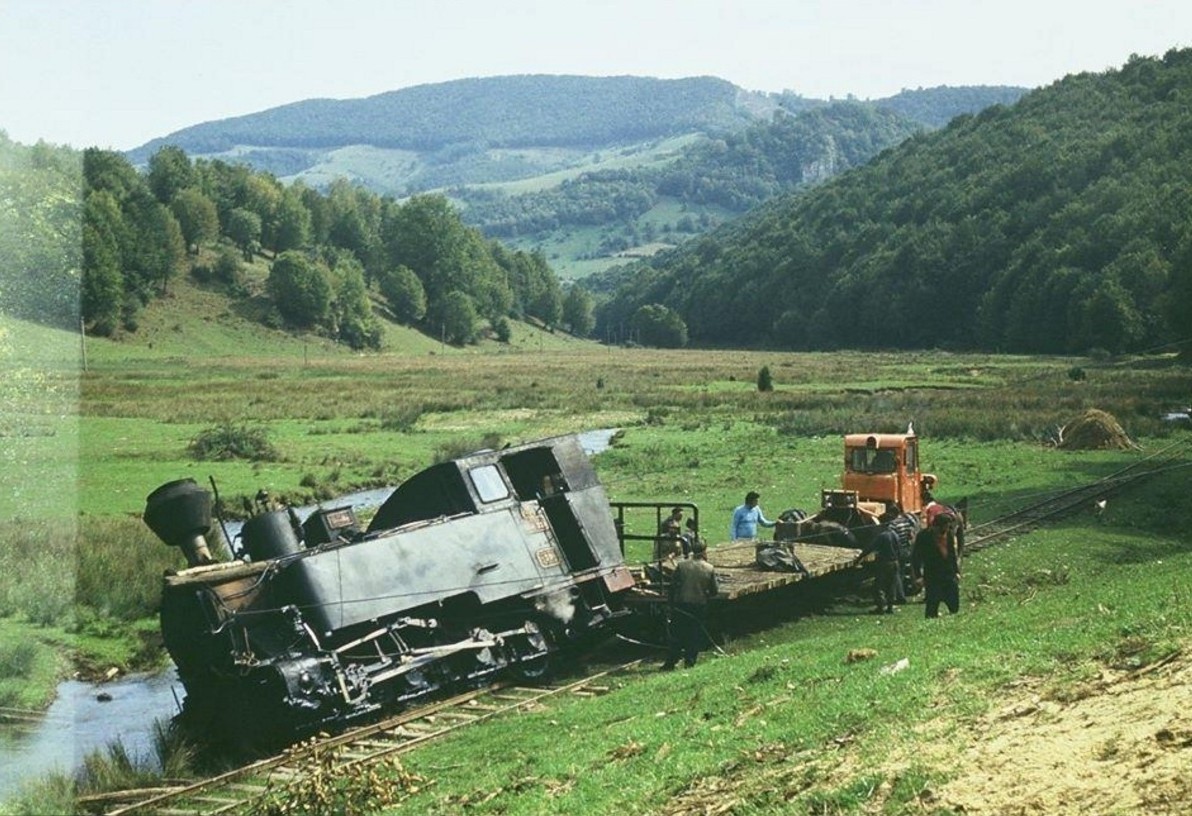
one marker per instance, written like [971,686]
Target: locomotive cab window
[856,460]
[535,474]
[490,487]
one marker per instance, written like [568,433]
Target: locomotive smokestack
[179,513]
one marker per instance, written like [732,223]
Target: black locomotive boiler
[491,561]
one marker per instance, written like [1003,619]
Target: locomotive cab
[881,474]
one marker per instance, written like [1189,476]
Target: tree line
[1059,224]
[326,252]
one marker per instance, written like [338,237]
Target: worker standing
[693,585]
[887,579]
[935,561]
[747,517]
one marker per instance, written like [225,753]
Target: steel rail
[1066,502]
[236,790]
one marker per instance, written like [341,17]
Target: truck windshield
[872,460]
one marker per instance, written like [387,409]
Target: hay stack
[1095,430]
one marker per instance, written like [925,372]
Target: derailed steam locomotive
[488,562]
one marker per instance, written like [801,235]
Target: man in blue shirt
[747,517]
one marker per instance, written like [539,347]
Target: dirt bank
[1123,746]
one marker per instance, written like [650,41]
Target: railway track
[1082,498]
[237,790]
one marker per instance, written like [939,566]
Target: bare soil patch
[1124,746]
[1118,746]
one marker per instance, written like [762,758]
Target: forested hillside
[492,112]
[935,107]
[297,258]
[730,174]
[580,168]
[1060,224]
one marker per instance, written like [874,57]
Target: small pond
[79,722]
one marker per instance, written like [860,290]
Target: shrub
[764,381]
[16,660]
[228,441]
[401,418]
[502,330]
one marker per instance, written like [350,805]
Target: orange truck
[879,469]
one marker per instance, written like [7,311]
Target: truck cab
[879,469]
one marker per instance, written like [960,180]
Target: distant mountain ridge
[581,168]
[496,112]
[523,111]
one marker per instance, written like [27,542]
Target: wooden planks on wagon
[738,574]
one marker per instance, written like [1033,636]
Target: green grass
[29,668]
[79,573]
[785,723]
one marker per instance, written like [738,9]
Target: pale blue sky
[116,73]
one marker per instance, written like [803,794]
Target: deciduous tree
[352,315]
[170,172]
[197,217]
[300,290]
[103,283]
[403,290]
[458,319]
[577,311]
[657,325]
[244,228]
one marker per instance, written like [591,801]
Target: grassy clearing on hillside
[199,323]
[576,252]
[634,156]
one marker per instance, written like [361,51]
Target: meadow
[79,572]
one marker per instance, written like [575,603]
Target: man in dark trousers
[887,579]
[934,561]
[691,587]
